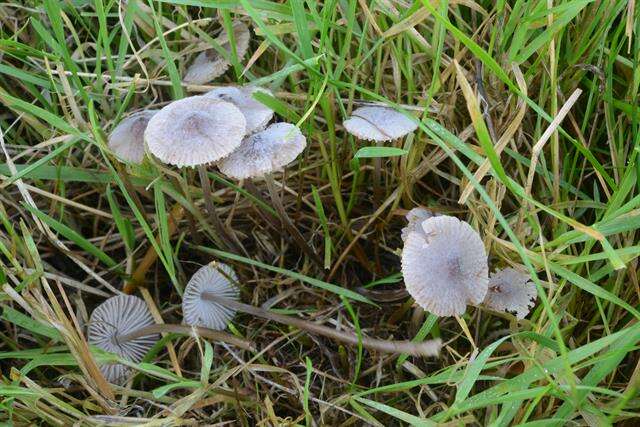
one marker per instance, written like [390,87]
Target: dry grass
[507,141]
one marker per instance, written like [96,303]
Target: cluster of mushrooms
[444,262]
[445,268]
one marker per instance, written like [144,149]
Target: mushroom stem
[286,221]
[187,330]
[211,208]
[425,348]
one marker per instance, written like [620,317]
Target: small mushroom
[210,64]
[265,152]
[127,139]
[215,279]
[213,301]
[445,266]
[511,290]
[261,154]
[415,217]
[109,326]
[378,124]
[196,131]
[256,113]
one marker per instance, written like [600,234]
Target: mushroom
[214,303]
[256,113]
[378,124]
[210,64]
[216,279]
[415,217]
[261,154]
[123,325]
[127,139]
[195,131]
[511,290]
[445,266]
[109,325]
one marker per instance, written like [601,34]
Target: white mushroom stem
[186,330]
[425,348]
[211,208]
[286,221]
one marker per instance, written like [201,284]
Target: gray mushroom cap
[256,113]
[127,139]
[264,152]
[215,278]
[118,316]
[209,64]
[511,290]
[195,131]
[445,266]
[378,124]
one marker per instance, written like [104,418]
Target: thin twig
[286,221]
[211,208]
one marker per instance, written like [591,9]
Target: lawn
[341,266]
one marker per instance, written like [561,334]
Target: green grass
[73,218]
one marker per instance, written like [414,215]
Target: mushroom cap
[209,64]
[415,217]
[511,290]
[194,131]
[215,278]
[117,316]
[264,152]
[378,124]
[127,139]
[445,266]
[256,113]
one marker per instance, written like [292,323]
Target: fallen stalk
[187,330]
[425,348]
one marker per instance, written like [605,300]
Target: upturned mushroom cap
[511,290]
[256,113]
[264,152]
[378,124]
[415,217]
[209,64]
[445,266]
[215,278]
[195,131]
[118,316]
[127,139]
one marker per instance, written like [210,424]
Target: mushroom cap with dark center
[256,113]
[217,279]
[195,131]
[127,139]
[378,124]
[264,152]
[114,318]
[209,64]
[445,266]
[511,290]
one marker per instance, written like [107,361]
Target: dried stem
[187,330]
[287,223]
[425,348]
